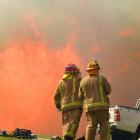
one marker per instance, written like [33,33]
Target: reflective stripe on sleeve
[73,88]
[61,93]
[101,89]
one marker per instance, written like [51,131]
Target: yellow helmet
[93,64]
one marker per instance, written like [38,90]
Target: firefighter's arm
[81,92]
[107,86]
[57,99]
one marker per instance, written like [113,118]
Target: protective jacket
[94,90]
[66,95]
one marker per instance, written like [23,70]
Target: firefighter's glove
[58,106]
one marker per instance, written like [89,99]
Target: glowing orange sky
[39,38]
[29,77]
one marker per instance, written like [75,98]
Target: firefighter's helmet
[93,64]
[71,68]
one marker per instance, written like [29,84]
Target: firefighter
[67,100]
[94,90]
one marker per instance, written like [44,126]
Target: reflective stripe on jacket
[94,90]
[66,94]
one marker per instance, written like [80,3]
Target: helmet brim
[88,69]
[67,75]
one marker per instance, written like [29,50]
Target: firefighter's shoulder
[83,81]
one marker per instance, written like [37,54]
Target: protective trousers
[94,118]
[70,120]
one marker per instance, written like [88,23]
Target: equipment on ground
[56,138]
[24,133]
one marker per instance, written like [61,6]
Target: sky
[39,38]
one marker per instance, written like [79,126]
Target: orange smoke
[29,76]
[41,41]
[127,32]
[96,49]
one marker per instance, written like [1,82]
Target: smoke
[29,76]
[30,71]
[37,40]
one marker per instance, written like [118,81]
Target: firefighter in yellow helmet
[94,90]
[67,100]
